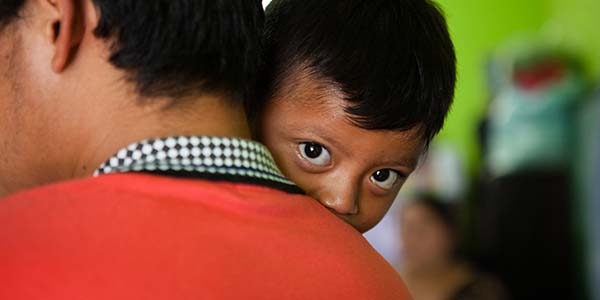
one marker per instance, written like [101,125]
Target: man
[147,96]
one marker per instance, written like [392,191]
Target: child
[354,91]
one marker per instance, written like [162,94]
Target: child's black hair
[393,60]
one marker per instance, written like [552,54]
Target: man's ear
[65,30]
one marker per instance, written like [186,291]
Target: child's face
[354,172]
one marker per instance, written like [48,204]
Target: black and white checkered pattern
[199,154]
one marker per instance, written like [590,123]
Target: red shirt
[136,236]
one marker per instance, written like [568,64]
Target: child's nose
[343,200]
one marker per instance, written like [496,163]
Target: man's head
[70,68]
[355,90]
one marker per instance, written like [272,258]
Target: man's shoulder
[221,239]
[138,194]
[143,186]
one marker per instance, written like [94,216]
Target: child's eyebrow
[338,145]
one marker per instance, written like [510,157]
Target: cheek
[434,244]
[442,242]
[421,245]
[7,80]
[373,209]
[275,141]
[313,184]
[11,103]
[37,71]
[281,152]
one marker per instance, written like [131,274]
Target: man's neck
[201,116]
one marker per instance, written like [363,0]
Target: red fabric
[133,236]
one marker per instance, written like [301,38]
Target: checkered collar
[212,158]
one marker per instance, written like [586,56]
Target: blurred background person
[431,264]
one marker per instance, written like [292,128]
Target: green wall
[577,22]
[478,27]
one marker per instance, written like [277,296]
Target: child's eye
[316,154]
[385,179]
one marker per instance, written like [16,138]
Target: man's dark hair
[8,10]
[393,60]
[179,47]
